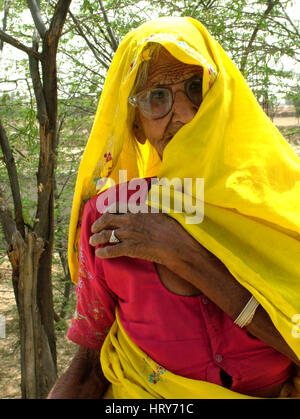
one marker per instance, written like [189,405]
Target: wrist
[182,260]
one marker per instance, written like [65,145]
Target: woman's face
[167,71]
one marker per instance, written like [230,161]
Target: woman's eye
[158,94]
[195,85]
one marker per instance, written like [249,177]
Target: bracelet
[246,315]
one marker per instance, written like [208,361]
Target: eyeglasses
[157,102]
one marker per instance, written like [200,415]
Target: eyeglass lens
[156,103]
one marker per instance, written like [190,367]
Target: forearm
[83,379]
[216,282]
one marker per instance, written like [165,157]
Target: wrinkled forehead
[166,69]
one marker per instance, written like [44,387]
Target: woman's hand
[152,236]
[83,379]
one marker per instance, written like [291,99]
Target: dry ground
[10,374]
[9,346]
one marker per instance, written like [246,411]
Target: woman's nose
[183,109]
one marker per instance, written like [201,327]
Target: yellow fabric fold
[134,375]
[251,174]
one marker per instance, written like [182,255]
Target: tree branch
[34,8]
[114,43]
[245,55]
[13,178]
[44,210]
[290,20]
[6,9]
[98,44]
[96,73]
[15,43]
[7,220]
[58,20]
[81,33]
[37,83]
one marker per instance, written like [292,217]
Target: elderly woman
[183,309]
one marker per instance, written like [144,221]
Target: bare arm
[207,273]
[83,379]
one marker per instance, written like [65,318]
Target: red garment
[189,336]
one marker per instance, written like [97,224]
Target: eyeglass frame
[133,100]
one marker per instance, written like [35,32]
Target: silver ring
[113,238]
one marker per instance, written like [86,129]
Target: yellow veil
[251,174]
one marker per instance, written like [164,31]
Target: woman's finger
[109,221]
[104,236]
[100,238]
[127,248]
[115,216]
[119,249]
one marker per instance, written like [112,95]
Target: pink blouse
[188,335]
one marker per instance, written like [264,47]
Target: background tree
[30,252]
[294,97]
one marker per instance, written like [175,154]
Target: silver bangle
[246,315]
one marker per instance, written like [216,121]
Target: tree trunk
[31,253]
[68,283]
[37,365]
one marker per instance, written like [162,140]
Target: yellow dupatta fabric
[134,375]
[251,174]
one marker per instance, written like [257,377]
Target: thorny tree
[30,253]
